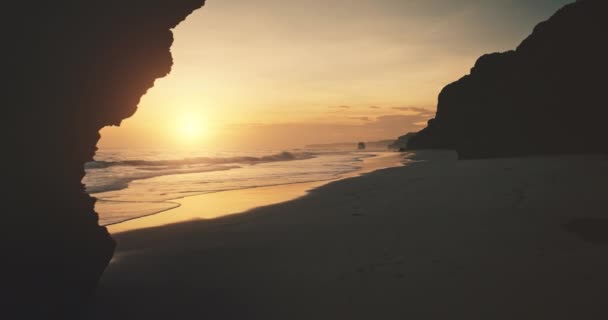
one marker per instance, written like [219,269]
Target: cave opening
[254,80]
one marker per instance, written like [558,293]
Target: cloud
[298,134]
[416,110]
[339,109]
[374,107]
[360,118]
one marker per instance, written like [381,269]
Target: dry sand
[520,238]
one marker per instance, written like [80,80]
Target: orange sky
[278,74]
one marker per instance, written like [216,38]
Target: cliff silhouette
[545,97]
[73,67]
[401,142]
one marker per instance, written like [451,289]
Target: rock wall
[73,67]
[545,97]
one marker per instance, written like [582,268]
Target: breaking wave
[283,156]
[106,175]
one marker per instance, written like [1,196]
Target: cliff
[73,68]
[545,97]
[401,142]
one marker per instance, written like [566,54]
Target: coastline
[223,203]
[478,239]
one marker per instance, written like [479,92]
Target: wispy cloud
[360,118]
[294,134]
[415,110]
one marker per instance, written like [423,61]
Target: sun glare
[190,128]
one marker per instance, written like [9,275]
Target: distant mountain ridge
[545,97]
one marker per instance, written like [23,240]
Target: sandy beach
[521,238]
[219,204]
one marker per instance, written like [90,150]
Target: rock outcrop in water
[73,67]
[547,96]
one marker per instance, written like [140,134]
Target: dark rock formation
[73,68]
[545,97]
[401,143]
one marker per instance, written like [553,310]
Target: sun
[190,128]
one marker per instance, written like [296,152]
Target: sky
[279,74]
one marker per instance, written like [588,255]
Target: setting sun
[190,128]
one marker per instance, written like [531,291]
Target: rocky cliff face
[73,68]
[547,96]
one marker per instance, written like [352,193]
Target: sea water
[134,183]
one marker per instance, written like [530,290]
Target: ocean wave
[105,176]
[128,189]
[119,183]
[150,164]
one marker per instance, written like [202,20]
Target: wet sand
[516,238]
[218,204]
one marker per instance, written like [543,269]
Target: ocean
[135,183]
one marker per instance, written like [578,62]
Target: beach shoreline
[439,238]
[223,202]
